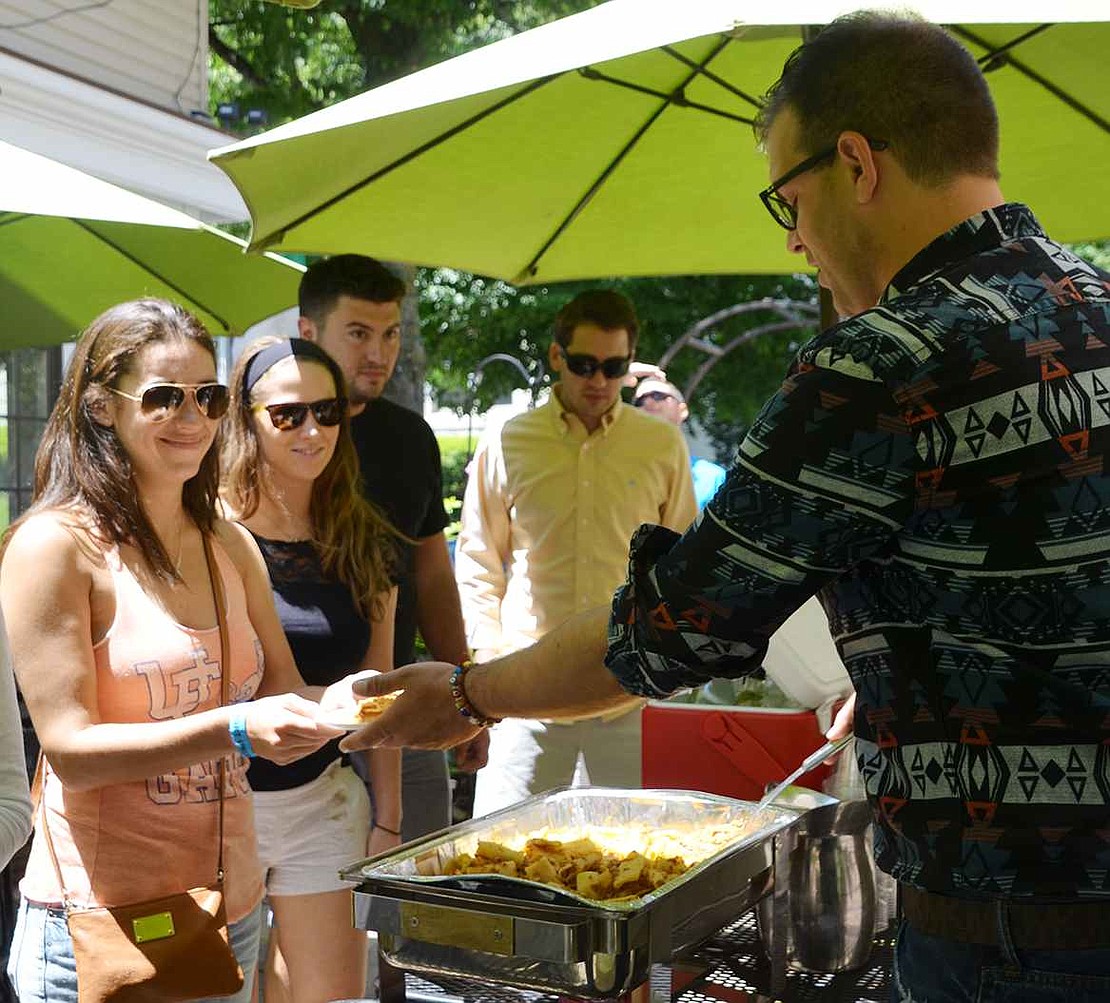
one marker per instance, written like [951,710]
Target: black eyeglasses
[160,400]
[286,417]
[782,210]
[586,365]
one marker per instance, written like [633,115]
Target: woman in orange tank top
[113,635]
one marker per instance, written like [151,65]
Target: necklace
[180,546]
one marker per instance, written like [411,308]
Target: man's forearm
[563,675]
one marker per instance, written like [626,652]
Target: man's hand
[471,756]
[642,370]
[423,717]
[844,720]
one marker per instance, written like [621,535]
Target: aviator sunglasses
[587,365]
[286,417]
[160,400]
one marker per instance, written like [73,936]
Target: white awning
[126,141]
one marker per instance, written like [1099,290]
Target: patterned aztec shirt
[936,470]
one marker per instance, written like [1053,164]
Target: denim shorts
[42,968]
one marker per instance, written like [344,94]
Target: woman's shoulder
[53,536]
[236,541]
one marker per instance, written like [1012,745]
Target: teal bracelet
[237,726]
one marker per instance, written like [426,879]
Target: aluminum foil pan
[716,826]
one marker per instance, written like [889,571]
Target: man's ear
[555,358]
[306,328]
[860,158]
[683,412]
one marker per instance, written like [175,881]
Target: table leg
[391,982]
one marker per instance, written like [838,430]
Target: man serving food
[934,469]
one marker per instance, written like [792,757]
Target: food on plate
[371,707]
[579,865]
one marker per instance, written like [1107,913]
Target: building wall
[153,50]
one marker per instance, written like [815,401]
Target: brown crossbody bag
[164,949]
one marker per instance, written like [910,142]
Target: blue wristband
[237,725]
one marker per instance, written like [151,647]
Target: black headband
[271,355]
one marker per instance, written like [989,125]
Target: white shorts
[305,835]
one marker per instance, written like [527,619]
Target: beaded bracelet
[462,702]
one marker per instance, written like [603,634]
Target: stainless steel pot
[824,912]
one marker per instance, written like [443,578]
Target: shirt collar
[1002,224]
[567,421]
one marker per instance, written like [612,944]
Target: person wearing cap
[552,497]
[664,400]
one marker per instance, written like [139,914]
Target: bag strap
[218,598]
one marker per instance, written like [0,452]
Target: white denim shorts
[306,834]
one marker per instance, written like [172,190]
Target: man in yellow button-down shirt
[553,497]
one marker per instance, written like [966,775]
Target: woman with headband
[291,478]
[109,586]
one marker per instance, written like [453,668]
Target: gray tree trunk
[407,385]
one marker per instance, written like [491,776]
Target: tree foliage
[289,62]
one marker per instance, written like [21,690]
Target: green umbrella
[71,245]
[617,142]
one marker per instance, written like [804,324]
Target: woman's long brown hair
[355,541]
[81,465]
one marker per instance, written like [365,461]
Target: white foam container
[802,659]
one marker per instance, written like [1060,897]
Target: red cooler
[733,751]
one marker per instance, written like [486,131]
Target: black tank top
[329,638]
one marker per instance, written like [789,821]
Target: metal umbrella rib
[668,100]
[154,273]
[1027,71]
[276,235]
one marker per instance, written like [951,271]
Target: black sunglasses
[285,417]
[587,365]
[782,210]
[160,400]
[658,396]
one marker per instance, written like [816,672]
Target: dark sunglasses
[782,210]
[286,417]
[160,400]
[653,395]
[587,365]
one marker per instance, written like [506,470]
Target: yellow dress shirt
[549,511]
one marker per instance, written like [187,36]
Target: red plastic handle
[728,736]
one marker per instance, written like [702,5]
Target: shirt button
[585,484]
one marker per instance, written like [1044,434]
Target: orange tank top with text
[147,838]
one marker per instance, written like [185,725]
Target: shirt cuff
[654,649]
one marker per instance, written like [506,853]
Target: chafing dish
[521,933]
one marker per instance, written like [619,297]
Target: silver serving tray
[519,932]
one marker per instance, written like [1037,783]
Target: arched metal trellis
[786,315]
